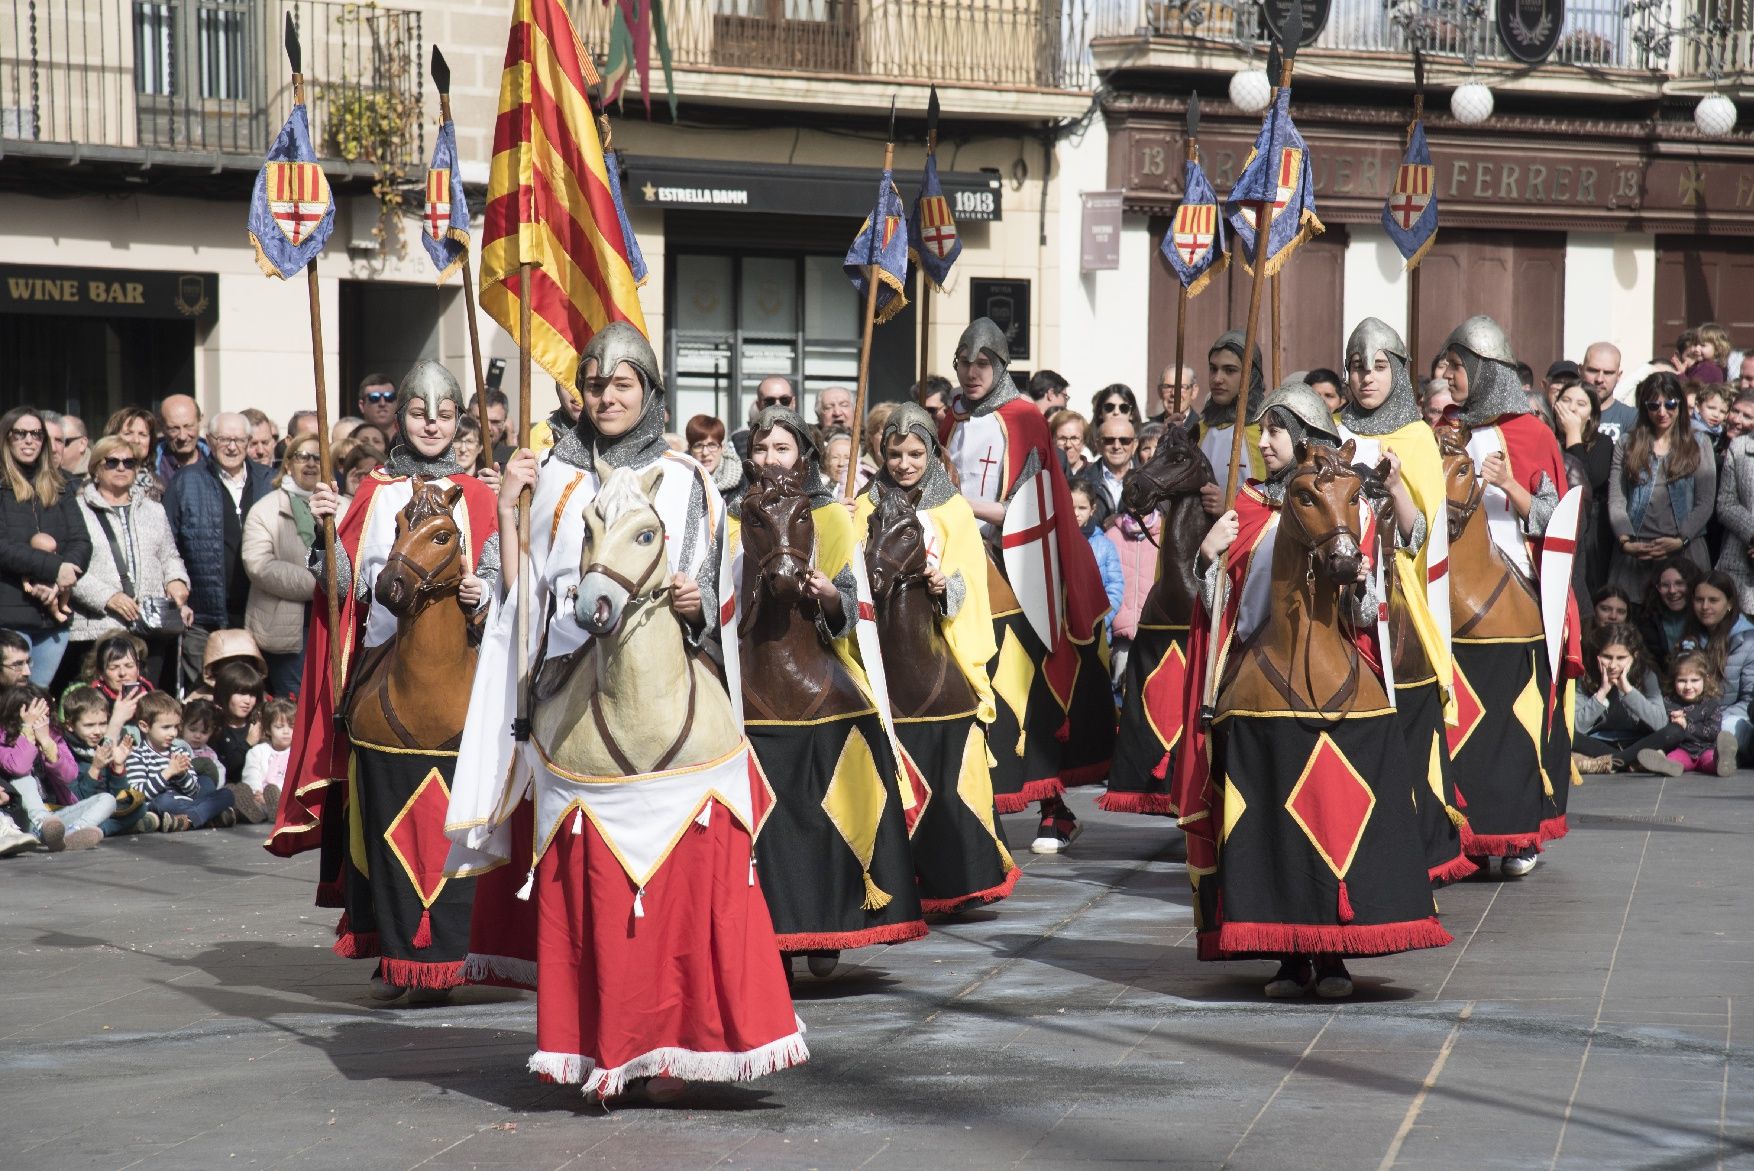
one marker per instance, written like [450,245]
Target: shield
[1032,556]
[937,228]
[1290,171]
[438,203]
[1558,547]
[298,197]
[1412,194]
[1193,230]
[191,298]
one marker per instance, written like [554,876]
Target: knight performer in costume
[1382,419]
[1302,844]
[629,813]
[1512,739]
[417,556]
[928,574]
[1055,723]
[1211,432]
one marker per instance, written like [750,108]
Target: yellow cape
[1422,471]
[970,631]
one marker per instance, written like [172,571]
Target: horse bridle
[1460,514]
[1348,623]
[425,578]
[635,598]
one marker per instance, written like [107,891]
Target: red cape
[321,751]
[1533,452]
[1086,601]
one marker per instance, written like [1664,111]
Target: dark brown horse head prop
[895,553]
[426,562]
[1463,488]
[1179,468]
[779,532]
[1320,512]
[622,560]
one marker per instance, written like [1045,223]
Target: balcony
[1001,58]
[204,83]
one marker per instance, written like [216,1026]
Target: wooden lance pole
[521,723]
[870,320]
[1413,277]
[441,77]
[1275,71]
[1190,154]
[325,454]
[926,286]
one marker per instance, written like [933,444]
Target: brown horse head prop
[1463,488]
[1489,596]
[895,553]
[1320,513]
[1171,482]
[779,532]
[1179,468]
[427,561]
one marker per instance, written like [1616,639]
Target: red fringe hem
[1456,869]
[1043,790]
[1252,940]
[415,974]
[1148,804]
[1498,845]
[847,940]
[1554,828]
[356,945]
[991,895]
[1085,774]
[329,894]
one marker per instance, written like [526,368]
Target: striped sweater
[146,767]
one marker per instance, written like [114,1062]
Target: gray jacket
[1624,717]
[1735,508]
[140,526]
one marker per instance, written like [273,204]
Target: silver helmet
[1483,337]
[1494,389]
[430,383]
[614,344]
[983,333]
[1401,407]
[1374,336]
[1303,409]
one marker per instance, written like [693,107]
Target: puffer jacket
[281,583]
[1735,511]
[141,523]
[210,535]
[1738,669]
[1138,568]
[19,521]
[1108,564]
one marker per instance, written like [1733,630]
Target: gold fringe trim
[875,898]
[1200,282]
[262,261]
[1413,260]
[896,303]
[1456,817]
[457,235]
[1310,226]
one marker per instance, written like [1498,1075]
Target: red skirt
[682,978]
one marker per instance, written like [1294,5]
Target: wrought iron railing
[207,77]
[1042,44]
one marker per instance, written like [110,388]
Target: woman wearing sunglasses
[278,536]
[134,558]
[1116,398]
[1662,486]
[43,547]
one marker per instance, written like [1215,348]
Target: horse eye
[442,537]
[646,537]
[755,521]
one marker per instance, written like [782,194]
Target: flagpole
[325,453]
[441,77]
[521,723]
[870,320]
[1273,290]
[1413,277]
[1275,72]
[1263,230]
[925,280]
[1190,154]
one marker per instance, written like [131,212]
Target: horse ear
[650,479]
[453,494]
[1346,451]
[1300,451]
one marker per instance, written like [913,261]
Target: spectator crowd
[156,580]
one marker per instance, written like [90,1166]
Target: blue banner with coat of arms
[880,251]
[932,237]
[444,224]
[1194,244]
[1277,173]
[292,210]
[1410,213]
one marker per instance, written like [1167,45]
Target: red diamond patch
[1469,711]
[1164,696]
[1331,804]
[417,836]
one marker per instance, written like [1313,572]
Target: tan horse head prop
[1489,597]
[636,699]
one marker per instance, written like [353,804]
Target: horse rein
[425,578]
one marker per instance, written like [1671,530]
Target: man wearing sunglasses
[772,391]
[377,403]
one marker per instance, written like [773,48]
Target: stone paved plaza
[173,1003]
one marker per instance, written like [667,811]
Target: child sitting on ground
[100,735]
[161,768]
[1620,704]
[200,722]
[239,687]
[265,765]
[37,766]
[1693,738]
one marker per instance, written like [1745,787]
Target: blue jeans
[1744,730]
[115,827]
[91,811]
[209,802]
[46,649]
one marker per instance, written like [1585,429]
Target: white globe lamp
[1715,115]
[1471,104]
[1250,91]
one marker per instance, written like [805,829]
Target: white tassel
[578,822]
[639,903]
[529,885]
[752,870]
[704,818]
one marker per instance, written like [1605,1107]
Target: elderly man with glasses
[207,506]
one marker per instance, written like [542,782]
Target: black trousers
[1664,738]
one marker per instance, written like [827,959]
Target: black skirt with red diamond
[1152,722]
[397,903]
[1319,847]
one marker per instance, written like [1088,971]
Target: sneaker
[247,805]
[1726,754]
[174,823]
[148,823]
[1590,765]
[428,997]
[384,991]
[53,834]
[1057,831]
[1333,981]
[1518,864]
[84,838]
[822,963]
[271,801]
[663,1090]
[1292,980]
[14,840]
[226,819]
[1654,760]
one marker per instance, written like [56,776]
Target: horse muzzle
[599,603]
[1342,558]
[396,588]
[787,578]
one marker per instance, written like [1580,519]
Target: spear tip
[441,71]
[1194,114]
[932,111]
[293,55]
[891,117]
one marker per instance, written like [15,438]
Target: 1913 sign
[1007,303]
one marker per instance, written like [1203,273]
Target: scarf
[911,419]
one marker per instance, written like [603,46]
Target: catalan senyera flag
[1277,172]
[549,201]
[1410,212]
[880,249]
[1194,244]
[292,210]
[444,224]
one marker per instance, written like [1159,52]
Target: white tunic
[1502,523]
[378,536]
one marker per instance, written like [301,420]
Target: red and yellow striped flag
[548,199]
